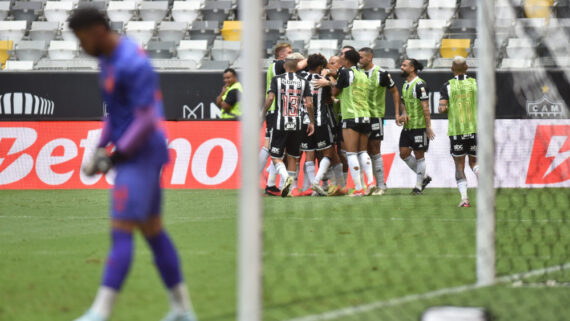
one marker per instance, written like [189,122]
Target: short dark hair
[418,66]
[233,71]
[367,50]
[349,47]
[353,56]
[315,61]
[87,17]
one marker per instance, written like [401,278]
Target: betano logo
[25,104]
[550,158]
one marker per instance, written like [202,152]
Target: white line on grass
[350,311]
[411,218]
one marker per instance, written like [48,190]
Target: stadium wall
[206,154]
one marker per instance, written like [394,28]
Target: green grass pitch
[320,254]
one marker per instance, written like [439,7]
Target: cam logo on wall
[550,158]
[545,107]
[25,104]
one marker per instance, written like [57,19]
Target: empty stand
[27,11]
[300,30]
[44,30]
[344,9]
[431,29]
[185,11]
[392,49]
[409,9]
[366,30]
[172,30]
[398,29]
[30,50]
[520,48]
[325,47]
[12,30]
[333,29]
[174,64]
[217,10]
[273,29]
[192,50]
[280,10]
[62,50]
[386,63]
[204,30]
[231,30]
[463,28]
[140,31]
[516,63]
[160,49]
[468,9]
[153,10]
[376,9]
[4,9]
[311,10]
[421,49]
[121,10]
[455,47]
[213,65]
[441,9]
[57,11]
[226,50]
[20,65]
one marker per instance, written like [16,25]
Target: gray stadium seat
[173,64]
[69,64]
[186,11]
[393,49]
[386,63]
[397,29]
[140,31]
[311,10]
[562,9]
[421,49]
[552,62]
[62,50]
[300,30]
[431,28]
[468,9]
[160,49]
[520,48]
[507,9]
[516,63]
[217,10]
[298,46]
[333,29]
[121,10]
[28,11]
[172,30]
[12,30]
[273,29]
[463,29]
[192,50]
[99,5]
[376,9]
[205,30]
[366,29]
[44,30]
[226,50]
[153,10]
[57,11]
[441,9]
[280,10]
[344,9]
[214,65]
[30,50]
[4,9]
[327,47]
[533,27]
[19,65]
[357,44]
[118,26]
[409,9]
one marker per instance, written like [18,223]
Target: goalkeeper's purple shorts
[137,193]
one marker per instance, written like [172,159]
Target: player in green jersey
[414,112]
[458,98]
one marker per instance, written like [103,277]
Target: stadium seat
[326,47]
[516,63]
[357,44]
[28,11]
[280,10]
[300,30]
[398,29]
[454,47]
[344,9]
[30,50]
[533,27]
[121,10]
[366,29]
[118,27]
[62,50]
[192,50]
[386,63]
[468,9]
[562,9]
[226,50]
[214,65]
[333,29]
[185,11]
[67,34]
[441,9]
[44,30]
[421,49]
[172,30]
[556,37]
[19,65]
[57,11]
[538,8]
[153,10]
[273,30]
[12,30]
[217,10]
[298,46]
[520,48]
[67,64]
[174,64]
[409,9]
[5,49]
[140,31]
[311,10]
[376,9]
[504,29]
[160,49]
[205,30]
[463,28]
[99,5]
[392,49]
[4,9]
[231,30]
[504,9]
[546,62]
[431,29]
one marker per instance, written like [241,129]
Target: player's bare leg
[374,150]
[473,164]
[461,180]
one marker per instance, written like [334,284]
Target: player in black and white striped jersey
[291,94]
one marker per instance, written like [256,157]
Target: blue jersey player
[131,92]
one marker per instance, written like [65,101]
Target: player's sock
[366,165]
[295,176]
[476,170]
[263,156]
[179,298]
[119,260]
[323,168]
[306,182]
[411,162]
[104,301]
[281,180]
[354,167]
[462,185]
[166,259]
[339,177]
[282,171]
[272,175]
[310,171]
[421,172]
[378,166]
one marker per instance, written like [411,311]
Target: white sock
[411,162]
[476,170]
[272,175]
[323,168]
[282,171]
[354,168]
[263,156]
[462,185]
[281,180]
[378,166]
[294,175]
[310,171]
[421,172]
[179,298]
[366,165]
[104,301]
[339,178]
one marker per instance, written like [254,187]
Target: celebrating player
[291,94]
[380,79]
[131,91]
[414,113]
[458,98]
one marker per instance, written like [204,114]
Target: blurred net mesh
[392,257]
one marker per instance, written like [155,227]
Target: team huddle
[333,111]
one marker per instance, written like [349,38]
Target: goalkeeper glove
[100,162]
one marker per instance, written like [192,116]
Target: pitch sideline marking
[350,311]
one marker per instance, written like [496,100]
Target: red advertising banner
[49,155]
